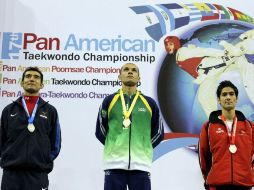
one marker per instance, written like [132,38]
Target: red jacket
[218,165]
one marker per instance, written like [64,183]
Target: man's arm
[157,129]
[192,51]
[204,151]
[55,135]
[252,125]
[3,130]
[102,122]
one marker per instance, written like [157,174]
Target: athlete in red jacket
[226,145]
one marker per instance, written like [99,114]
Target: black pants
[24,180]
[120,179]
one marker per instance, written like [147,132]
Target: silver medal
[31,127]
[126,122]
[232,148]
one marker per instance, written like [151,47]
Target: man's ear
[22,83]
[42,85]
[218,100]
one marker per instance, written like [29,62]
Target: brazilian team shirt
[129,148]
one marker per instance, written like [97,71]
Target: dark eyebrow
[35,75]
[225,93]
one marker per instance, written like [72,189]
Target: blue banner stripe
[141,9]
[160,18]
[223,16]
[211,6]
[182,21]
[194,13]
[154,31]
[170,16]
[172,6]
[173,144]
[195,19]
[205,13]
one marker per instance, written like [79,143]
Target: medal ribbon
[30,118]
[126,112]
[232,139]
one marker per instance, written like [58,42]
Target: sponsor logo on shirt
[142,109]
[220,130]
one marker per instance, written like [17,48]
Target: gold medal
[126,122]
[127,113]
[31,127]
[232,148]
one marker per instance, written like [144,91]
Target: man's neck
[129,89]
[30,94]
[228,114]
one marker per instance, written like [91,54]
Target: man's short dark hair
[32,69]
[226,83]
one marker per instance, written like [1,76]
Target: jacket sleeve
[204,151]
[3,125]
[157,129]
[252,130]
[55,135]
[102,122]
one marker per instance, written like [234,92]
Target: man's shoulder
[109,97]
[14,102]
[47,105]
[11,106]
[149,99]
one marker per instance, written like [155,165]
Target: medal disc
[232,148]
[126,122]
[31,127]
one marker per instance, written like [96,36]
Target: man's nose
[228,96]
[32,78]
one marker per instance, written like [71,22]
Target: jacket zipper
[129,148]
[27,145]
[232,169]
[129,164]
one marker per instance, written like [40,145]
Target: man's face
[227,99]
[32,82]
[170,47]
[129,75]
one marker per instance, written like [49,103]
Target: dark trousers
[120,179]
[230,187]
[24,180]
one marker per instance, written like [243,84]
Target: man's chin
[31,91]
[229,108]
[130,83]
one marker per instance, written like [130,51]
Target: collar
[31,99]
[215,116]
[124,93]
[41,101]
